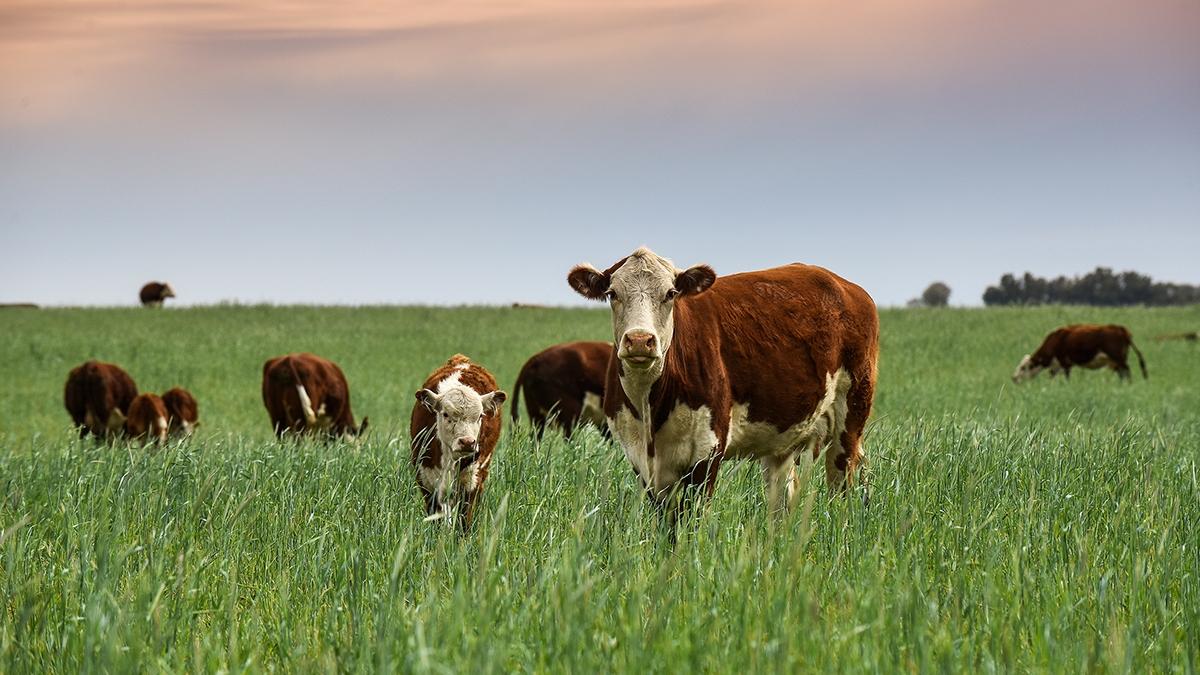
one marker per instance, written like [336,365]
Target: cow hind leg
[852,407]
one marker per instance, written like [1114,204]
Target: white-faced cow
[153,293]
[564,384]
[305,393]
[97,396]
[771,365]
[146,421]
[1085,345]
[183,413]
[455,426]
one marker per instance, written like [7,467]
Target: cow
[1085,345]
[305,393]
[97,396]
[455,426]
[183,413]
[770,365]
[153,293]
[146,421]
[565,384]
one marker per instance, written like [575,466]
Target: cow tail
[310,416]
[1141,361]
[516,408]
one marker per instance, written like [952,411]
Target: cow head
[642,289]
[459,412]
[1026,370]
[167,292]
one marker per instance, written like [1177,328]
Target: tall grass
[1050,527]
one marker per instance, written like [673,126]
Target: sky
[440,152]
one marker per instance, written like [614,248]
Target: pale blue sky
[473,152]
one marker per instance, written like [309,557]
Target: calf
[770,365]
[565,384]
[306,393]
[153,293]
[97,396]
[455,426]
[183,414]
[146,421]
[1084,345]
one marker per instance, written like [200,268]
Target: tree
[937,295]
[1100,287]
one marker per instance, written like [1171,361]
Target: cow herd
[775,365]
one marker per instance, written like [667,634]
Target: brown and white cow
[455,426]
[565,384]
[1085,345]
[146,421]
[153,293]
[183,413]
[771,365]
[97,396]
[306,393]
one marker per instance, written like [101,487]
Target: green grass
[1051,527]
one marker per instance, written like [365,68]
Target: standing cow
[97,396]
[306,393]
[146,421]
[771,365]
[153,293]
[1085,345]
[455,426]
[183,413]
[564,383]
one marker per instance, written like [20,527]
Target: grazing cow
[771,365]
[153,293]
[183,414]
[146,421]
[455,426]
[306,393]
[1085,345]
[564,383]
[97,396]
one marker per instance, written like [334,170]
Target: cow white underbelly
[687,436]
[592,409]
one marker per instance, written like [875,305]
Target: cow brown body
[154,293]
[304,393]
[1089,346]
[564,384]
[183,413]
[451,480]
[97,396]
[146,420]
[772,365]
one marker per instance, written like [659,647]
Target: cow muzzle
[639,349]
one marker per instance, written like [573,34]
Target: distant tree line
[1099,287]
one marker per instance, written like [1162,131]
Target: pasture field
[1051,527]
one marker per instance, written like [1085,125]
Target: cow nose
[466,442]
[640,342]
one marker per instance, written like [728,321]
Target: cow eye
[610,295]
[671,295]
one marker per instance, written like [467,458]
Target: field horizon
[1046,527]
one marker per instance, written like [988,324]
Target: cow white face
[642,293]
[459,411]
[167,291]
[1026,370]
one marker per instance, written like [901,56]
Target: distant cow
[183,413]
[1084,345]
[155,292]
[771,365]
[306,393]
[455,426]
[564,383]
[147,419]
[97,396]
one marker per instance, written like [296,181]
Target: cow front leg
[779,477]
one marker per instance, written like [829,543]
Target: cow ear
[695,279]
[493,400]
[428,399]
[588,282]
